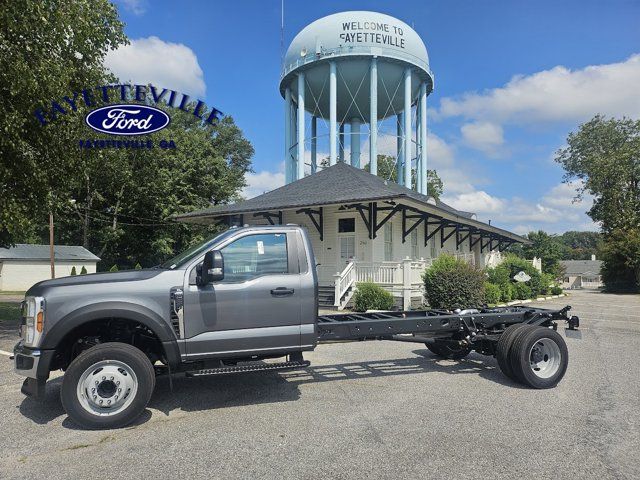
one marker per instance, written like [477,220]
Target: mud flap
[33,387]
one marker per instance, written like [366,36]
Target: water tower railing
[356,50]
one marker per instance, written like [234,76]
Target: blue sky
[512,79]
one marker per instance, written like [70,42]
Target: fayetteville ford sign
[127,119]
[115,113]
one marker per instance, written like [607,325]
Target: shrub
[369,296]
[138,267]
[83,270]
[451,283]
[492,293]
[522,291]
[555,290]
[114,268]
[73,270]
[503,274]
[547,281]
[506,292]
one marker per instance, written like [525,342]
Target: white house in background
[582,273]
[365,228]
[23,265]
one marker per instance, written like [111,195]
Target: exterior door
[346,241]
[256,307]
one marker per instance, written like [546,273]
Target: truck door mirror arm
[212,268]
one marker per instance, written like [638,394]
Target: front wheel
[107,386]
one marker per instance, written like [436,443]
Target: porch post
[333,113]
[406,284]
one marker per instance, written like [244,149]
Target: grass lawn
[9,312]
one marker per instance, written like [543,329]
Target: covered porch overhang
[374,213]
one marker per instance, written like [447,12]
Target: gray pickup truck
[224,306]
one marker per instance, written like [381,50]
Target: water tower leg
[407,128]
[400,150]
[333,113]
[423,137]
[355,142]
[373,119]
[341,143]
[314,143]
[287,135]
[418,149]
[300,172]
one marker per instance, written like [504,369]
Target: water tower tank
[358,71]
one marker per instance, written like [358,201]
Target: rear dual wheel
[531,355]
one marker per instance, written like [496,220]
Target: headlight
[33,311]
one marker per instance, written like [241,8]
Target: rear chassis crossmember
[479,329]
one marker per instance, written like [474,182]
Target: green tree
[548,248]
[47,50]
[387,170]
[580,245]
[604,156]
[83,270]
[73,271]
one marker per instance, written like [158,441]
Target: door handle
[281,291]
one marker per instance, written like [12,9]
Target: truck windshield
[190,253]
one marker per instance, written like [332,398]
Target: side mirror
[212,269]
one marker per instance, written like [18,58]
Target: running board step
[264,367]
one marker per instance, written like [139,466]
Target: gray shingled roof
[338,184]
[26,251]
[581,267]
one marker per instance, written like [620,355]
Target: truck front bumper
[33,364]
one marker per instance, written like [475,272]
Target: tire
[539,357]
[504,347]
[107,386]
[448,351]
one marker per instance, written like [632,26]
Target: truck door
[256,307]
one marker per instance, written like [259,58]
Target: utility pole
[51,252]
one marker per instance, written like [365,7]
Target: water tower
[364,71]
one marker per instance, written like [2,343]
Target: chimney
[593,257]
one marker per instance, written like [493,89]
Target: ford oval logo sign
[127,119]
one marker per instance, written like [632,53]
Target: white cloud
[137,7]
[264,181]
[554,212]
[484,136]
[558,94]
[164,64]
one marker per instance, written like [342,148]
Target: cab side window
[255,255]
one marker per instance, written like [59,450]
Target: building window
[388,242]
[346,225]
[432,247]
[414,244]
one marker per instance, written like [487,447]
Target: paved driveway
[370,409]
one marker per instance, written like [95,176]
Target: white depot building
[348,81]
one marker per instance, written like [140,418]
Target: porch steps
[326,296]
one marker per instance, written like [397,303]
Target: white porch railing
[403,279]
[343,281]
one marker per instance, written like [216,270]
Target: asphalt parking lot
[370,409]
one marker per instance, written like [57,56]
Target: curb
[539,299]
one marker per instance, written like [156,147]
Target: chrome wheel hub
[107,387]
[545,358]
